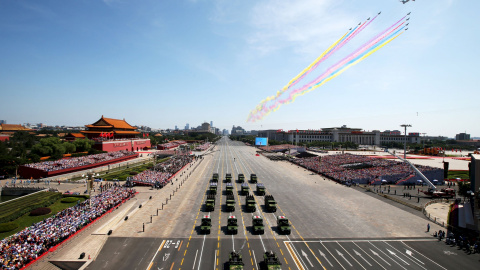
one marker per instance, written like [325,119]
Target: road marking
[369,255]
[180,245]
[394,254]
[360,255]
[159,248]
[426,256]
[351,256]
[201,252]
[172,266]
[387,256]
[341,255]
[325,257]
[294,256]
[331,254]
[409,253]
[255,258]
[195,260]
[182,261]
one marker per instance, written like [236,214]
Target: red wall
[112,146]
[27,172]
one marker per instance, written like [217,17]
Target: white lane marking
[158,249]
[394,254]
[343,256]
[360,255]
[332,255]
[351,256]
[254,258]
[325,257]
[303,264]
[381,251]
[409,257]
[425,257]
[369,256]
[215,260]
[195,260]
[376,254]
[201,252]
[306,257]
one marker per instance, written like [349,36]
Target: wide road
[333,226]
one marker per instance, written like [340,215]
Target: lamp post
[405,142]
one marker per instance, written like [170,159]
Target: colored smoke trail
[368,48]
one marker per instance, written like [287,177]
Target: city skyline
[161,64]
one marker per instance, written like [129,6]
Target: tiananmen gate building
[114,135]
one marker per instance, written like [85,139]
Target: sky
[172,62]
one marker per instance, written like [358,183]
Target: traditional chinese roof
[111,123]
[76,135]
[12,127]
[125,132]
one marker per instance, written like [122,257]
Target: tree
[42,150]
[69,147]
[83,145]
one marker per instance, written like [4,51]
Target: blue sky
[172,62]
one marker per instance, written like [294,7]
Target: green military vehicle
[206,224]
[271,261]
[229,189]
[270,204]
[283,226]
[215,177]
[244,189]
[260,189]
[210,203]
[230,203]
[232,226]
[228,178]
[250,203]
[253,178]
[257,224]
[212,189]
[241,178]
[235,261]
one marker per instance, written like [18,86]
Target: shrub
[40,211]
[133,173]
[69,199]
[9,226]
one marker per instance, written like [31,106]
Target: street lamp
[405,142]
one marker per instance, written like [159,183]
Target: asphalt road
[333,226]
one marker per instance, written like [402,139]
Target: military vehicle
[212,189]
[283,226]
[250,203]
[260,189]
[229,189]
[245,189]
[206,224]
[228,178]
[257,224]
[241,178]
[253,178]
[215,177]
[271,261]
[210,203]
[270,204]
[230,203]
[235,261]
[232,226]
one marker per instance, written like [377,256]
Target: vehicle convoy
[210,203]
[235,261]
[232,226]
[271,261]
[270,204]
[230,203]
[260,189]
[212,189]
[283,226]
[228,178]
[241,178]
[229,189]
[206,224]
[250,203]
[215,177]
[244,189]
[253,178]
[257,224]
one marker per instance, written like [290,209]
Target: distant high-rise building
[3,122]
[211,123]
[462,137]
[176,128]
[187,126]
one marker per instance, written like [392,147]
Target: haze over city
[167,63]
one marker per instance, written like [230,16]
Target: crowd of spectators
[27,245]
[279,148]
[162,172]
[359,169]
[170,145]
[66,163]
